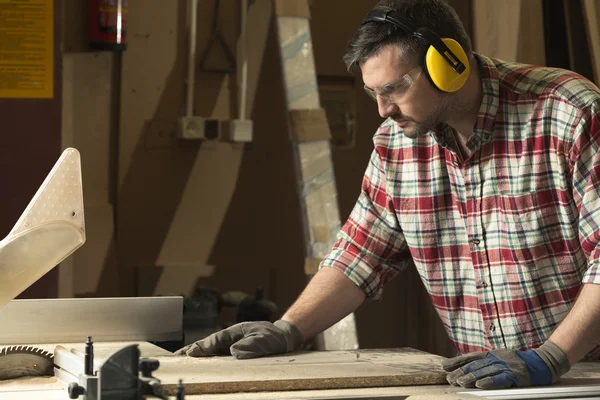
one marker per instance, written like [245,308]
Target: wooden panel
[321,370]
[583,373]
[316,181]
[302,371]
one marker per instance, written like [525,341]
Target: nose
[386,108]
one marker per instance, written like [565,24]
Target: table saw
[121,348]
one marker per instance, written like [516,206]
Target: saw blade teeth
[26,350]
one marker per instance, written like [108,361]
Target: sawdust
[28,383]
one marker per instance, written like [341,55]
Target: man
[484,176]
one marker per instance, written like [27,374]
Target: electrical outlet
[199,128]
[238,130]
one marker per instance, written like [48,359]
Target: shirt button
[492,328]
[484,284]
[476,242]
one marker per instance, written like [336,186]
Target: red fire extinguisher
[108,24]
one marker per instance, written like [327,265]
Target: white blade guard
[50,229]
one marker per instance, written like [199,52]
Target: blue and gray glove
[503,368]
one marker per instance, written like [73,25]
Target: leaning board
[317,190]
[302,371]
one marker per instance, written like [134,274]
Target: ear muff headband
[446,63]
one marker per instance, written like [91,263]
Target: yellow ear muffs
[441,74]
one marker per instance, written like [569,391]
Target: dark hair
[435,15]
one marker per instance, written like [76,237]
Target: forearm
[328,297]
[580,330]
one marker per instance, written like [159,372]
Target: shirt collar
[484,126]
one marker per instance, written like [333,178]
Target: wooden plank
[295,371]
[583,373]
[105,319]
[323,370]
[310,125]
[591,10]
[302,371]
[312,160]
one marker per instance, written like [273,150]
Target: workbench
[390,373]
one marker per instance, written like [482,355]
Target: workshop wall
[165,215]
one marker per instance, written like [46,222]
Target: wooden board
[302,371]
[396,374]
[315,176]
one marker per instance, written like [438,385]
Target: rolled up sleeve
[370,248]
[585,162]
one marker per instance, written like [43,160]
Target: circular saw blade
[20,361]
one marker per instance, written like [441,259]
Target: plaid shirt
[504,240]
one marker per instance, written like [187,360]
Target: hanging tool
[216,36]
[20,361]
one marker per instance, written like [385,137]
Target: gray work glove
[503,368]
[248,340]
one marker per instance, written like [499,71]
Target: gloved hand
[505,368]
[248,340]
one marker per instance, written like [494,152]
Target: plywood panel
[50,388]
[311,370]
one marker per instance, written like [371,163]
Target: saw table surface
[390,373]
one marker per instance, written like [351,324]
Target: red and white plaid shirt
[504,240]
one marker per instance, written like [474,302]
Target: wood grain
[302,371]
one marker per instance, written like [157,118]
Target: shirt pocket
[540,267]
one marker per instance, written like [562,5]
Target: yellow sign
[27,49]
